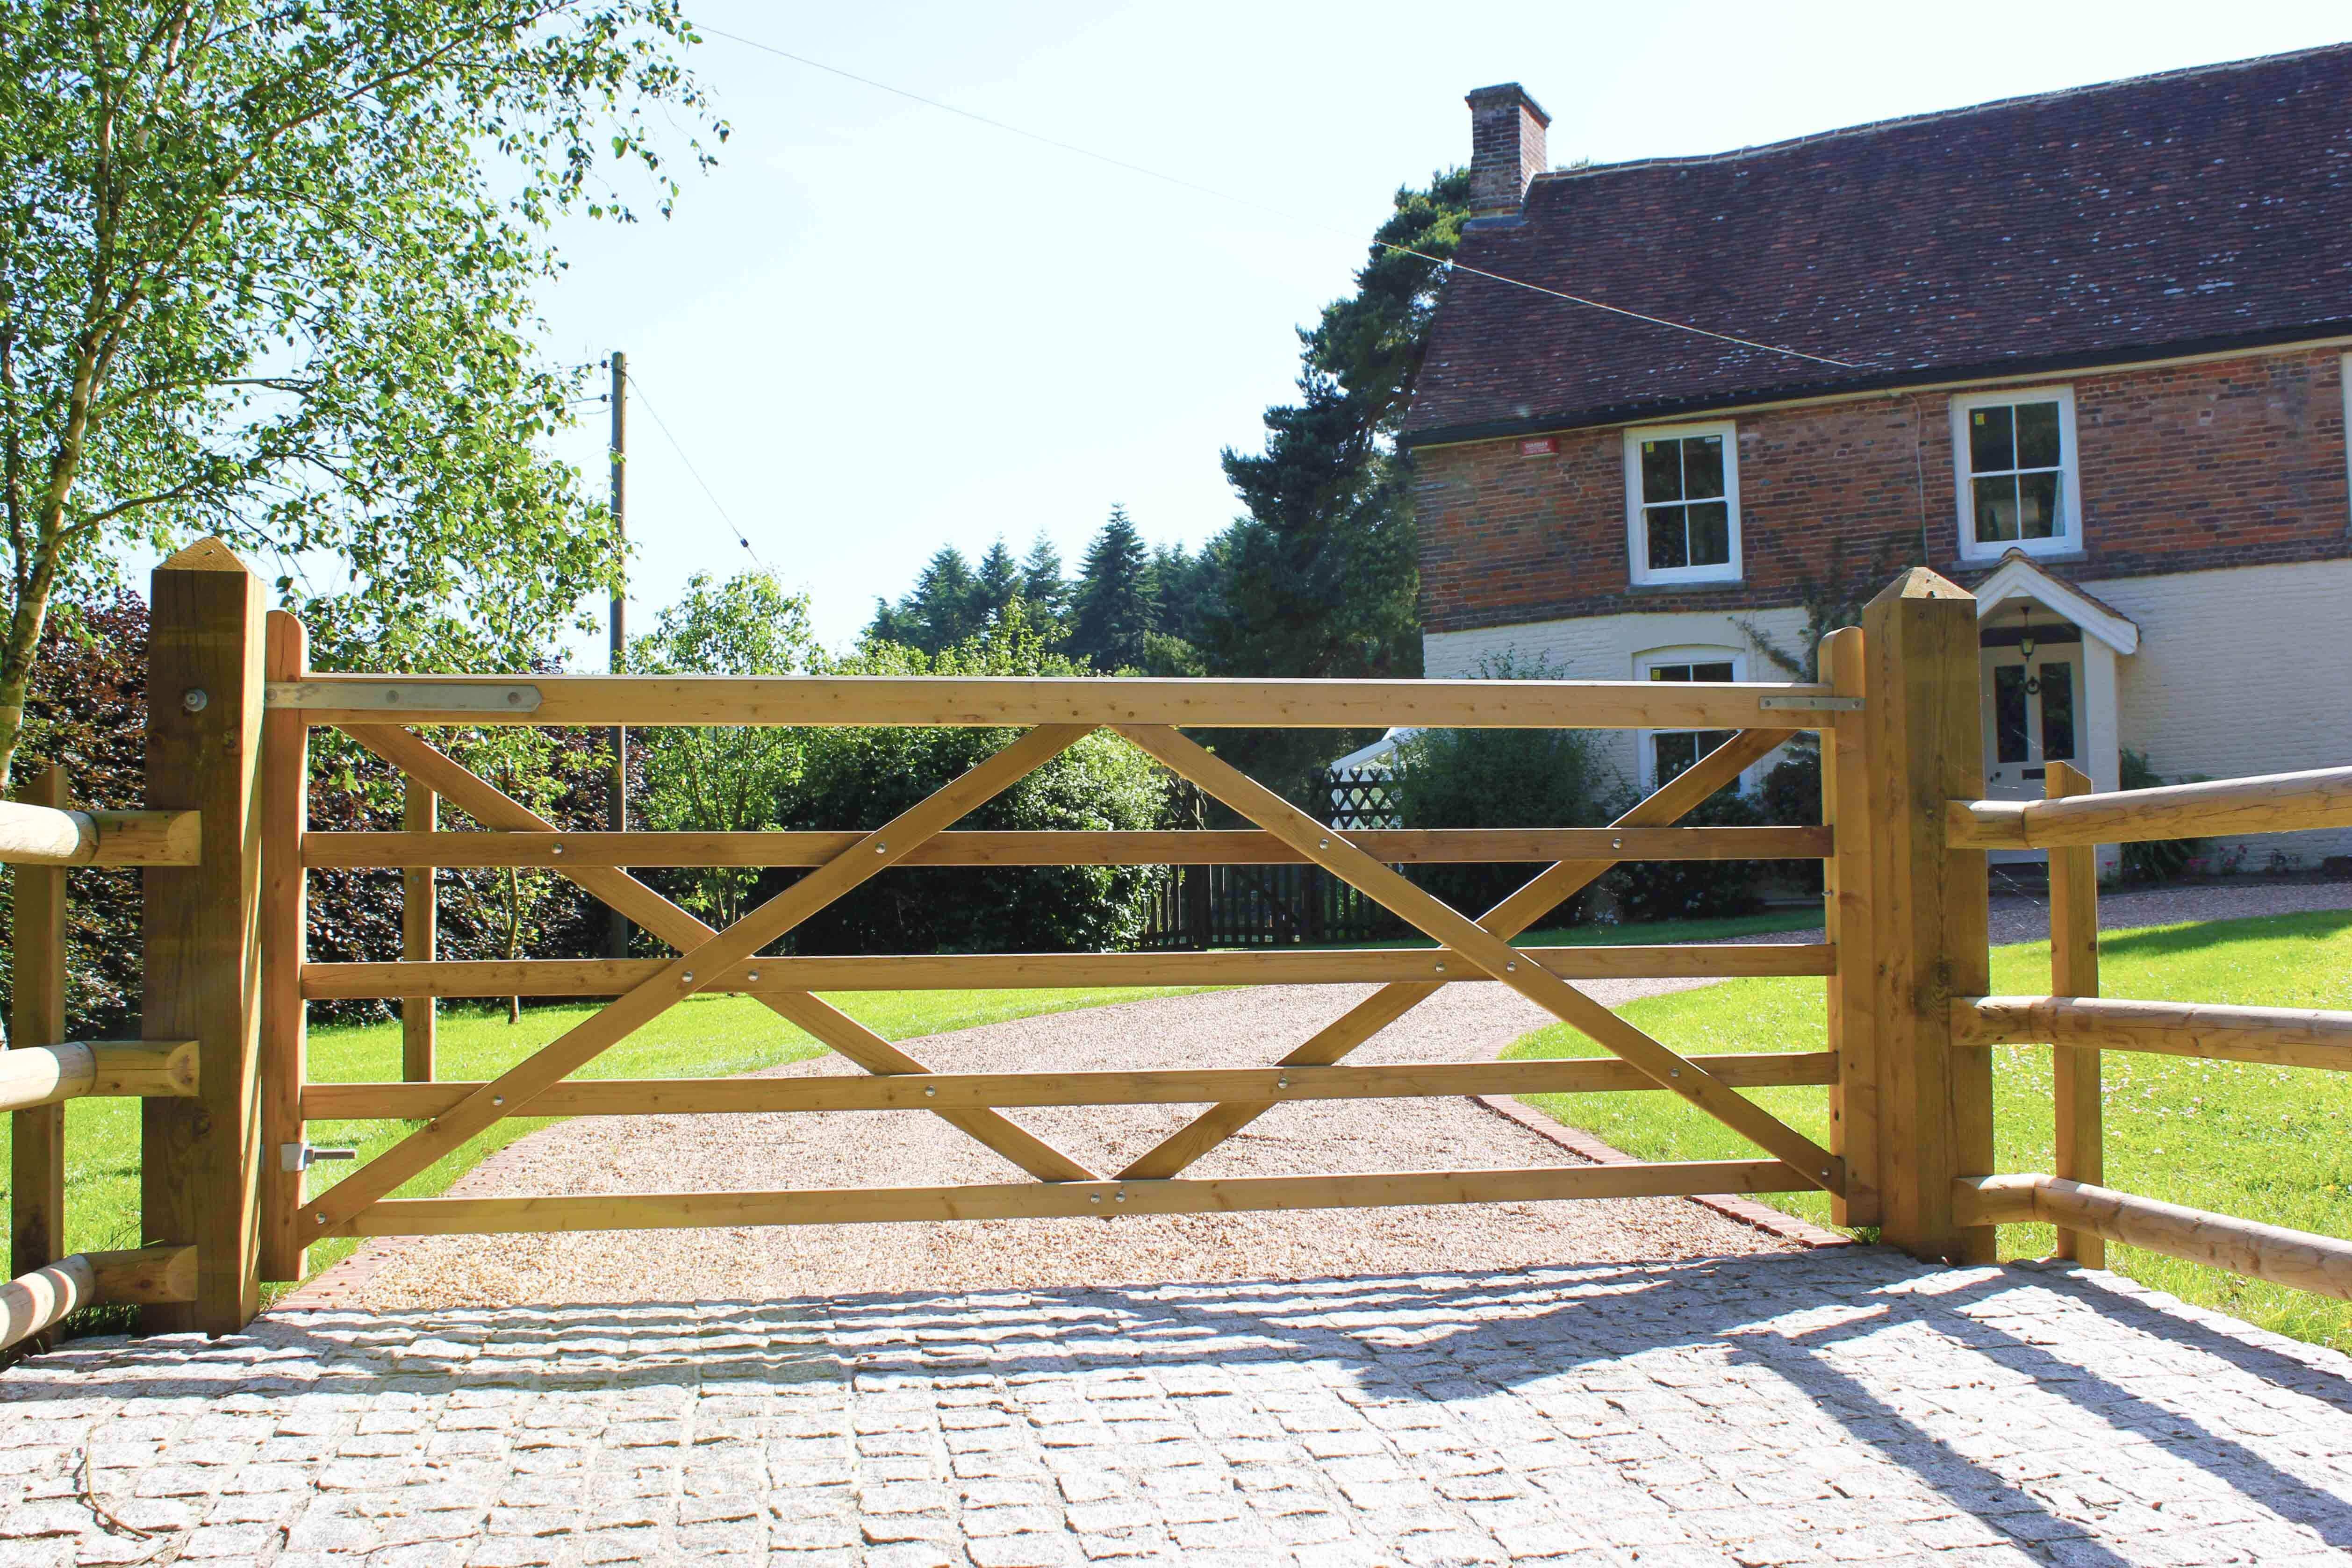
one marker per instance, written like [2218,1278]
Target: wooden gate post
[1928,904]
[37,1193]
[1854,1117]
[285,932]
[200,1157]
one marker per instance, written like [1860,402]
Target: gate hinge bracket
[1812,705]
[436,697]
[302,1156]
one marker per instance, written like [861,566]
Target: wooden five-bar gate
[226,845]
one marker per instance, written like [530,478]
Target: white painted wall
[2241,671]
[1603,647]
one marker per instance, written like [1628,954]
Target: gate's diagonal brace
[1451,928]
[692,971]
[489,806]
[1538,897]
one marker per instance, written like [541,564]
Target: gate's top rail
[947,700]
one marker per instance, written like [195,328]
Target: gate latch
[302,1156]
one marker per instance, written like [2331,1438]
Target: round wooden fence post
[2074,972]
[201,1157]
[1929,908]
[37,1194]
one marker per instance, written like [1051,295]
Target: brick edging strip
[1747,1211]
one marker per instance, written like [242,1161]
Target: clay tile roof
[2201,209]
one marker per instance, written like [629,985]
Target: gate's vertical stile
[37,1016]
[1930,900]
[419,921]
[200,1155]
[2074,972]
[1846,913]
[285,935]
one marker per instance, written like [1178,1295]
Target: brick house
[2084,352]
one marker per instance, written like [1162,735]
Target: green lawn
[2262,1143]
[705,1037]
[1807,919]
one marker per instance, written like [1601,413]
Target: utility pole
[617,787]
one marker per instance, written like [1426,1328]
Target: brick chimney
[1506,148]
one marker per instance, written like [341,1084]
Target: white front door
[2032,717]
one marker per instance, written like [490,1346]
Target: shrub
[1696,890]
[1791,798]
[861,777]
[2152,859]
[1505,778]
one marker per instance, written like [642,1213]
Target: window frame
[2069,540]
[1637,535]
[1646,755]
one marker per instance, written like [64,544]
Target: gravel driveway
[1242,1028]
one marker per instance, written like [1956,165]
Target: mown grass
[709,1037]
[2261,1143]
[1655,932]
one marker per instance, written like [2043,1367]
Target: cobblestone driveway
[1845,1405]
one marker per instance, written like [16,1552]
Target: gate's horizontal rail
[1015,971]
[1045,1200]
[2303,1259]
[660,700]
[942,1090]
[45,835]
[1213,847]
[2273,1037]
[2267,803]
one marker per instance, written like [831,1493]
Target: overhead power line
[1150,173]
[663,425]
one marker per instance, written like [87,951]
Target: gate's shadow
[1884,1348]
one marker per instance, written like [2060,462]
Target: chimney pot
[1506,147]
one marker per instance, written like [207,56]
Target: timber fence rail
[2078,1024]
[40,836]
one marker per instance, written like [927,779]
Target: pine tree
[1118,603]
[1320,577]
[996,582]
[1043,584]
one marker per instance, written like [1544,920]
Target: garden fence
[227,847]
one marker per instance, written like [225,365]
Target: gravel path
[1244,1027]
[1250,1028]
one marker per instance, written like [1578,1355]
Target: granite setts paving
[1842,1406]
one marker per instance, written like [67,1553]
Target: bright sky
[877,327]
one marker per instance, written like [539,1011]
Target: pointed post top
[1919,582]
[207,554]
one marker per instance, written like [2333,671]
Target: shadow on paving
[1842,1329]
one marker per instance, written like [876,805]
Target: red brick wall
[2232,463]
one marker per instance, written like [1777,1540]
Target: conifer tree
[1117,603]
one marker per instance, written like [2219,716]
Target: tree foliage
[862,778]
[1118,599]
[267,271]
[732,780]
